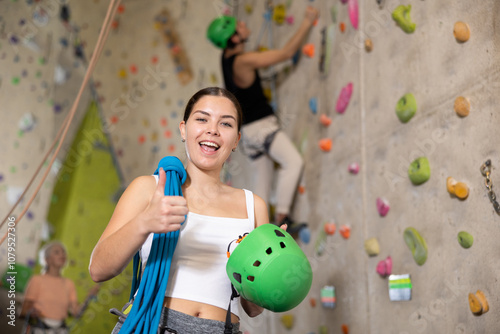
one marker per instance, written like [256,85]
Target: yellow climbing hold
[372,247]
[459,189]
[122,73]
[478,303]
[287,320]
[279,14]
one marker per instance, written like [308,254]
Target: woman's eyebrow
[208,114]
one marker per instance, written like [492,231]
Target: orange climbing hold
[308,50]
[345,329]
[345,231]
[330,228]
[325,144]
[301,189]
[342,26]
[325,120]
[459,189]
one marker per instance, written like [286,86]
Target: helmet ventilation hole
[279,233]
[237,277]
[269,250]
[251,278]
[256,263]
[282,244]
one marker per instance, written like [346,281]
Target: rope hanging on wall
[61,135]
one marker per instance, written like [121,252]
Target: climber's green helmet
[269,269]
[221,30]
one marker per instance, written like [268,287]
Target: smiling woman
[208,215]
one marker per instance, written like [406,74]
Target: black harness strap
[228,328]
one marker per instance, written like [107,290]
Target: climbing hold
[325,144]
[308,50]
[305,234]
[459,189]
[382,206]
[478,303]
[344,98]
[122,73]
[368,45]
[301,189]
[313,105]
[406,107]
[248,8]
[27,122]
[465,239]
[461,31]
[345,329]
[416,244]
[400,287]
[345,231]
[330,228]
[462,106]
[287,320]
[353,168]
[372,247]
[322,330]
[325,120]
[402,17]
[343,1]
[290,19]
[342,26]
[312,302]
[328,298]
[279,14]
[352,7]
[419,171]
[384,267]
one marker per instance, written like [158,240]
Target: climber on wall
[263,141]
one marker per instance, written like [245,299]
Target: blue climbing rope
[144,317]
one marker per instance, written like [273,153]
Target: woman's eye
[227,124]
[201,119]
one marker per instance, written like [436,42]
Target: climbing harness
[486,171]
[144,316]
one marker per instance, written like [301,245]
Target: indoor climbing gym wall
[391,103]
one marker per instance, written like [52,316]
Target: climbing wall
[380,202]
[355,191]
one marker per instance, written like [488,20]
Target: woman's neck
[203,182]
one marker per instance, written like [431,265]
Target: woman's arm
[142,209]
[261,217]
[255,60]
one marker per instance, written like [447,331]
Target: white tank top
[198,270]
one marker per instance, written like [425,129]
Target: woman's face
[211,131]
[56,256]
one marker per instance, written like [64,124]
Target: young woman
[209,216]
[50,297]
[263,140]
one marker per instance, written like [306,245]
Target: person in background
[50,297]
[209,215]
[263,141]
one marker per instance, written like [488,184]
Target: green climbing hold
[406,107]
[465,239]
[402,17]
[419,171]
[15,80]
[416,244]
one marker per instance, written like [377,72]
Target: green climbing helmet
[269,269]
[220,30]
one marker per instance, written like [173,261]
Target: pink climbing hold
[382,206]
[344,98]
[384,267]
[353,168]
[352,6]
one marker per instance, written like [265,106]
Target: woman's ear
[182,128]
[237,140]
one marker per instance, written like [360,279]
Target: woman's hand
[311,14]
[164,213]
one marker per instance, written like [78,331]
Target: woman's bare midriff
[199,310]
